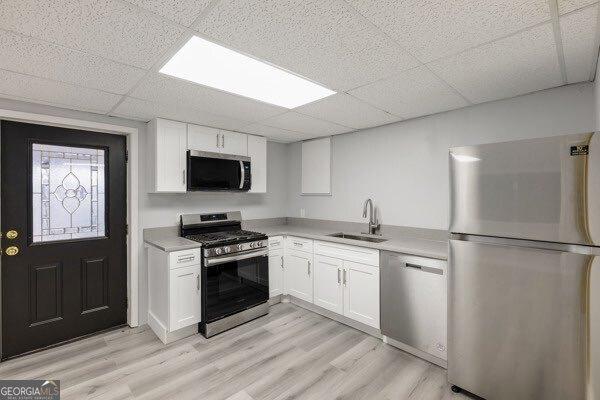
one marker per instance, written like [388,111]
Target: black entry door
[63,202]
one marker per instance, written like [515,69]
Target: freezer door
[519,321]
[542,189]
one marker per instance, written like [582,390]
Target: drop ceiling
[387,60]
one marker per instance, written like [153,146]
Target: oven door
[231,284]
[215,171]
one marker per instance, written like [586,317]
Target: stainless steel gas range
[235,270]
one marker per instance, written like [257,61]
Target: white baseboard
[169,337]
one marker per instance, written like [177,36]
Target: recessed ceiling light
[209,64]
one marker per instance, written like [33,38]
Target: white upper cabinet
[234,143]
[167,144]
[316,166]
[257,151]
[203,138]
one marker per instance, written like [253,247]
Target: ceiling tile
[31,88]
[183,12]
[509,67]
[293,121]
[146,110]
[36,57]
[411,94]
[436,28]
[345,110]
[281,135]
[326,41]
[108,28]
[160,88]
[565,6]
[578,31]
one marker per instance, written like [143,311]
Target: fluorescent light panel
[209,64]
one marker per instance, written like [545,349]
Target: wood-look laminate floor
[290,354]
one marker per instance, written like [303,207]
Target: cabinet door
[184,297]
[234,143]
[275,272]
[203,138]
[298,275]
[170,152]
[257,151]
[328,290]
[316,166]
[361,293]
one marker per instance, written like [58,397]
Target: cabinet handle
[217,140]
[222,141]
[309,267]
[198,282]
[345,279]
[339,280]
[297,244]
[185,258]
[281,262]
[183,176]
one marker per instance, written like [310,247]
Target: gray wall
[404,166]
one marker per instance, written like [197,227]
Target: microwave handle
[243,174]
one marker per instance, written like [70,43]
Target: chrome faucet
[373,224]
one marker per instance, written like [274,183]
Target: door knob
[12,251]
[12,234]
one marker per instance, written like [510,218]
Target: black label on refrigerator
[582,150]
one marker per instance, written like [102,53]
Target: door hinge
[126,229]
[126,156]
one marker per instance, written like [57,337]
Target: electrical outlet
[302,213]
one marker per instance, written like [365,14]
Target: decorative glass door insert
[68,191]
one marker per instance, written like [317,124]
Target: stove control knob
[218,250]
[252,245]
[240,247]
[227,249]
[259,244]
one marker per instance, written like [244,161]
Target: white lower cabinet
[298,274]
[184,297]
[361,293]
[275,272]
[174,300]
[328,288]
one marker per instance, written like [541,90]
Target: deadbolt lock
[12,234]
[12,251]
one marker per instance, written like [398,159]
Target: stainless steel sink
[371,239]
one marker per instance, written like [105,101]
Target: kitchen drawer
[276,242]
[298,243]
[184,258]
[357,254]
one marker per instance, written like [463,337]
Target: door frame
[132,189]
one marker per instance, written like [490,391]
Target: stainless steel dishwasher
[414,304]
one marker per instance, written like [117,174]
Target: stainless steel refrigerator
[524,269]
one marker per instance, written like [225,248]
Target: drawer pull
[185,258]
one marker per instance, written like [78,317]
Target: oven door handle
[222,260]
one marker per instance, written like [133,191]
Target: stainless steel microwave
[217,172]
